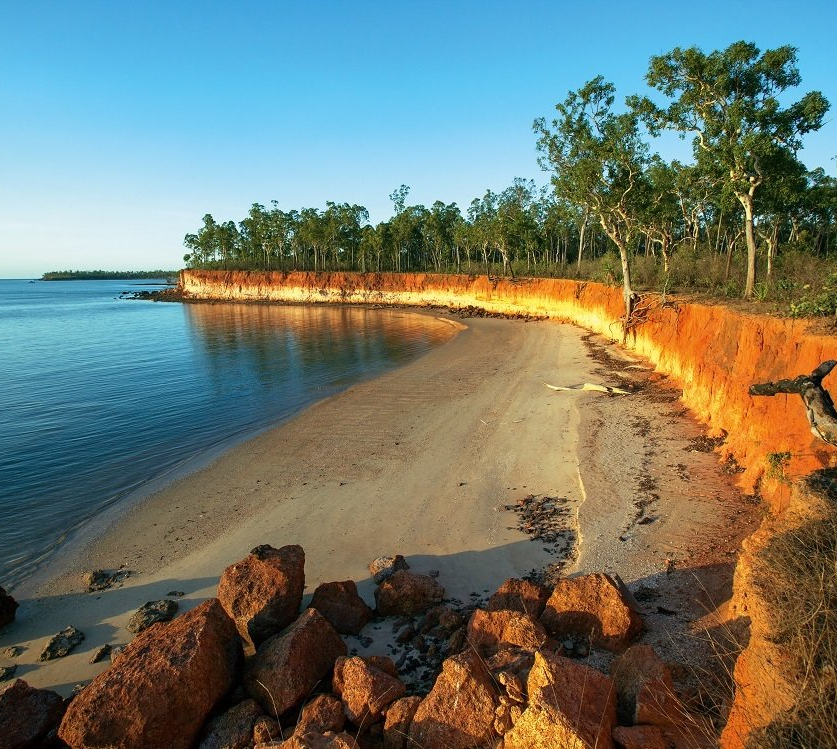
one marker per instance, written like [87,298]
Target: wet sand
[421,461]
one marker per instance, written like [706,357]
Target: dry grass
[797,576]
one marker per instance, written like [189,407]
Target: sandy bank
[421,461]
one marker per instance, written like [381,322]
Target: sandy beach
[423,462]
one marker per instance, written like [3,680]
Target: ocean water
[101,397]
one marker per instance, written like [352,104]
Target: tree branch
[819,407]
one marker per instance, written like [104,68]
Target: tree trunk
[746,200]
[581,240]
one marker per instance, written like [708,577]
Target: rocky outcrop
[520,595]
[232,729]
[341,605]
[263,592]
[570,705]
[27,715]
[8,606]
[150,613]
[398,720]
[595,607]
[407,593]
[383,567]
[161,689]
[322,714]
[287,666]
[366,691]
[490,631]
[459,711]
[61,644]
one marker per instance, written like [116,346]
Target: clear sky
[122,123]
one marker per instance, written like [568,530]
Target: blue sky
[122,123]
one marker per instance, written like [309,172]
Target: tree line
[744,199]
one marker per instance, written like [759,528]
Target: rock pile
[500,676]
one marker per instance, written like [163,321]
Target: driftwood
[590,386]
[818,404]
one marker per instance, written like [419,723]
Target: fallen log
[818,404]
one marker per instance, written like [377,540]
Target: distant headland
[106,275]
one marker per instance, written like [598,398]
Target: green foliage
[105,275]
[819,302]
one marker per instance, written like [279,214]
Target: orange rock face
[458,713]
[262,592]
[593,606]
[639,737]
[287,667]
[520,595]
[570,705]
[161,689]
[366,691]
[490,631]
[340,603]
[321,714]
[397,725]
[27,714]
[407,593]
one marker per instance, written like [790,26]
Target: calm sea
[101,396]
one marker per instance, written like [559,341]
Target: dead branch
[819,407]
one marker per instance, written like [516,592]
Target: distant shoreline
[169,276]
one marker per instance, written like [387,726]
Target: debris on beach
[590,387]
[61,644]
[151,613]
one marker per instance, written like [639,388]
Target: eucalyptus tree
[730,100]
[597,158]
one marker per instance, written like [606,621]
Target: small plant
[776,464]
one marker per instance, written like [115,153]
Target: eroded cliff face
[713,353]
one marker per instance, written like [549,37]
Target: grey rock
[383,567]
[97,580]
[61,644]
[7,672]
[101,653]
[151,613]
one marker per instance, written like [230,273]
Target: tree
[729,100]
[597,158]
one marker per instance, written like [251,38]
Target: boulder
[61,644]
[313,740]
[640,737]
[397,724]
[490,631]
[640,672]
[150,613]
[265,730]
[340,603]
[27,715]
[570,706]
[8,606]
[407,593]
[383,663]
[232,729]
[97,580]
[287,666]
[458,713]
[384,567]
[162,688]
[520,595]
[321,714]
[597,607]
[366,691]
[262,593]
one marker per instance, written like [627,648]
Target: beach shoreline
[421,461]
